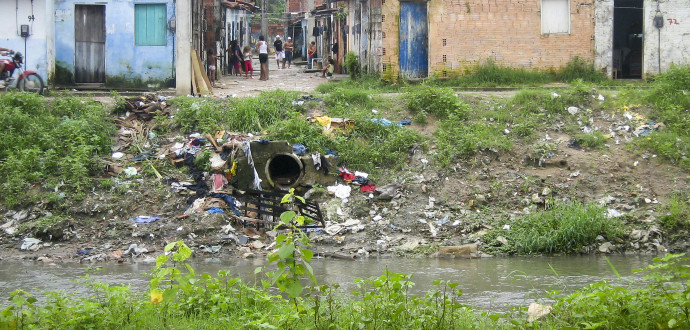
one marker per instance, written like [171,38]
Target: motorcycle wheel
[32,83]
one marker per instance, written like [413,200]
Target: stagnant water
[489,283]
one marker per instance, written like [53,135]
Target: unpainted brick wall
[507,31]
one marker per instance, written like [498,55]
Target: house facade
[116,43]
[27,27]
[419,38]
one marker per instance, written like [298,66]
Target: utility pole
[264,21]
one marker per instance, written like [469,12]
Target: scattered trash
[143,156]
[612,213]
[575,174]
[215,210]
[575,144]
[573,110]
[405,122]
[117,155]
[388,191]
[31,244]
[210,249]
[341,191]
[130,171]
[145,219]
[135,250]
[537,311]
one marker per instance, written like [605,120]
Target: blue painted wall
[126,64]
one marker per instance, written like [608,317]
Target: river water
[488,283]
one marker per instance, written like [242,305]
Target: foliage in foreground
[564,228]
[179,299]
[56,143]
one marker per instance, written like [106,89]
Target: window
[445,58]
[555,16]
[150,25]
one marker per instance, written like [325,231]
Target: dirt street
[292,79]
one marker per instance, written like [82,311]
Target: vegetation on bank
[54,144]
[181,299]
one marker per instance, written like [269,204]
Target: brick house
[417,38]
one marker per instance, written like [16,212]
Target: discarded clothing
[219,181]
[575,144]
[228,200]
[143,156]
[299,149]
[369,187]
[145,219]
[316,158]
[215,210]
[360,180]
[347,175]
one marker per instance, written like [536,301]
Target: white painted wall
[603,36]
[14,14]
[675,35]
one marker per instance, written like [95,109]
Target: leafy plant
[292,254]
[352,65]
[440,102]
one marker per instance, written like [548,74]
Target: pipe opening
[284,170]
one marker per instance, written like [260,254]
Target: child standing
[212,67]
[247,52]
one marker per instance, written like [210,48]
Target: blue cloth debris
[228,200]
[82,252]
[330,152]
[299,149]
[405,122]
[145,219]
[381,121]
[215,210]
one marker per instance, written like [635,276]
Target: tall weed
[565,228]
[49,142]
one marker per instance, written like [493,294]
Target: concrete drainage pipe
[284,171]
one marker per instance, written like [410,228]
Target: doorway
[628,37]
[414,39]
[89,39]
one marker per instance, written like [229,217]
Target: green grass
[491,74]
[440,102]
[564,228]
[49,143]
[251,114]
[675,213]
[456,139]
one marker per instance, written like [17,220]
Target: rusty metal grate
[266,206]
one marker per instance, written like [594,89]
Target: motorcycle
[27,80]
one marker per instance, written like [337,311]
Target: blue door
[414,31]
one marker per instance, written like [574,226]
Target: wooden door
[89,38]
[414,36]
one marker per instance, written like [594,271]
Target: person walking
[280,54]
[289,48]
[262,47]
[311,53]
[247,53]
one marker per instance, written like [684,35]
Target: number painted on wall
[672,21]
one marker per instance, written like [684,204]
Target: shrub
[580,68]
[456,139]
[488,73]
[676,212]
[352,65]
[440,102]
[565,228]
[49,142]
[594,140]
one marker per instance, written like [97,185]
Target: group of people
[241,59]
